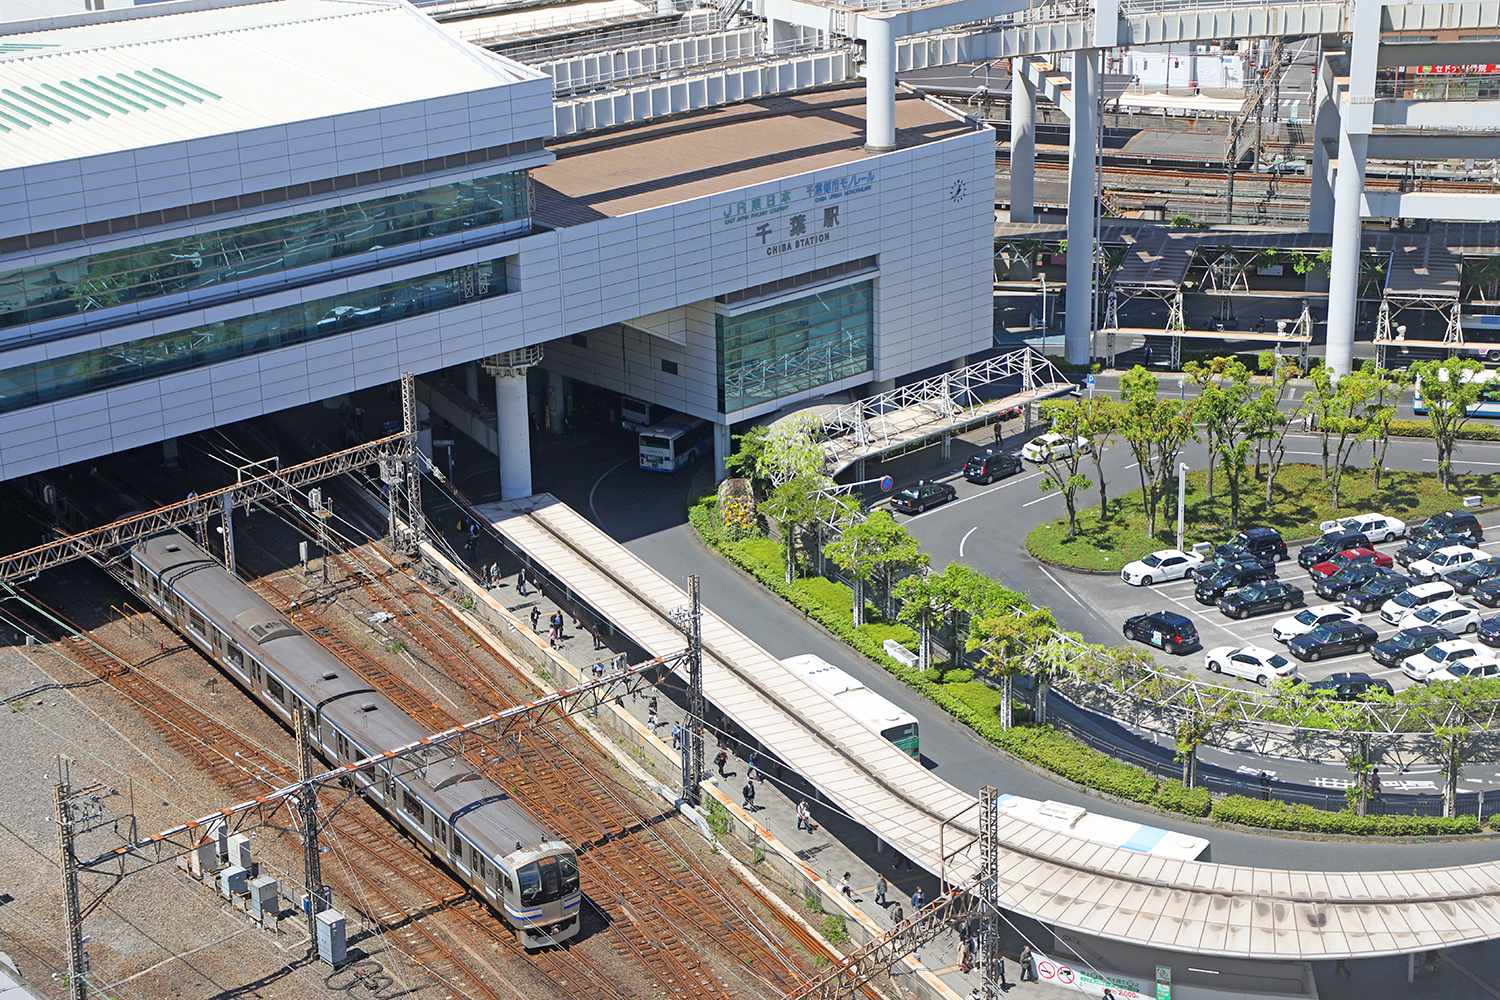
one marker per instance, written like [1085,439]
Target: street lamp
[1182,471]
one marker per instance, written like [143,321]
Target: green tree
[921,604]
[1013,642]
[1099,421]
[798,503]
[1448,389]
[1339,404]
[746,460]
[1067,416]
[1156,428]
[1228,418]
[875,547]
[789,449]
[1378,410]
[1268,423]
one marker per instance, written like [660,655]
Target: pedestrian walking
[521,583]
[676,736]
[965,957]
[803,819]
[1340,969]
[844,886]
[750,763]
[720,761]
[494,574]
[749,793]
[1027,963]
[536,616]
[1148,355]
[557,625]
[552,634]
[880,887]
[916,905]
[999,435]
[899,916]
[598,670]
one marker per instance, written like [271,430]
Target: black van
[990,465]
[1449,522]
[1263,543]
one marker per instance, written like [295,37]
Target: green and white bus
[875,713]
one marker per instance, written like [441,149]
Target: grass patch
[1302,500]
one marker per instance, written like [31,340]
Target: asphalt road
[645,511]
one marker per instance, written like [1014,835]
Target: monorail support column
[512,419]
[1082,141]
[1343,272]
[723,448]
[1022,144]
[880,83]
[1325,130]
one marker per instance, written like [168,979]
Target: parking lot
[1115,600]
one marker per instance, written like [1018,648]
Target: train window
[439,832]
[505,878]
[480,868]
[195,622]
[568,865]
[413,807]
[342,745]
[273,686]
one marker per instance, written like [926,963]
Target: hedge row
[1423,429]
[974,704]
[1276,815]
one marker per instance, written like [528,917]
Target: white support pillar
[1022,144]
[1325,129]
[513,421]
[1343,272]
[723,448]
[1081,207]
[880,84]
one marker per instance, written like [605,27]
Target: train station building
[214,214]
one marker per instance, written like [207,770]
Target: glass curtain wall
[62,288]
[776,351]
[153,357]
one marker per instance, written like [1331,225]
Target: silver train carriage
[462,819]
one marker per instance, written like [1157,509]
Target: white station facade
[216,213]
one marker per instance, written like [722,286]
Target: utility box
[204,858]
[233,881]
[265,895]
[331,938]
[239,852]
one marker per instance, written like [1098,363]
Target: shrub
[1275,815]
[1174,796]
[835,930]
[1421,428]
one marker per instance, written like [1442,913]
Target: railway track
[247,768]
[661,914]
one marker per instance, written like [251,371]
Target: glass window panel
[138,360]
[62,288]
[776,351]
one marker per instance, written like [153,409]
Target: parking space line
[1065,590]
[1049,496]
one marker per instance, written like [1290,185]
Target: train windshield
[548,879]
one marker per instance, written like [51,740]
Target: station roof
[719,149]
[118,80]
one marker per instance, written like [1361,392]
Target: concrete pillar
[557,395]
[880,84]
[1325,128]
[1022,144]
[723,448]
[514,436]
[471,380]
[1081,208]
[1343,273]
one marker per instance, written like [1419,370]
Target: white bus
[880,716]
[1488,404]
[669,445]
[637,415]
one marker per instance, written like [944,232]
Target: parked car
[1448,559]
[1371,594]
[1420,666]
[1335,585]
[1225,556]
[1258,598]
[1351,686]
[1333,639]
[1166,630]
[1350,557]
[1455,616]
[1375,527]
[991,465]
[1168,564]
[1253,663]
[1263,542]
[1419,548]
[1449,522]
[1486,593]
[1481,570]
[916,499]
[1467,670]
[1408,642]
[1414,597]
[1050,446]
[1306,621]
[1489,632]
[1332,543]
[1231,577]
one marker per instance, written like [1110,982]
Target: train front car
[544,904]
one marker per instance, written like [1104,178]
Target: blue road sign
[885,483]
[1091,381]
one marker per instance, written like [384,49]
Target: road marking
[1049,496]
[1471,463]
[965,539]
[971,496]
[1477,981]
[1065,590]
[595,489]
[1132,465]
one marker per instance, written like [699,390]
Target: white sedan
[1376,527]
[1467,671]
[1254,663]
[1168,564]
[1455,616]
[1310,618]
[1050,446]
